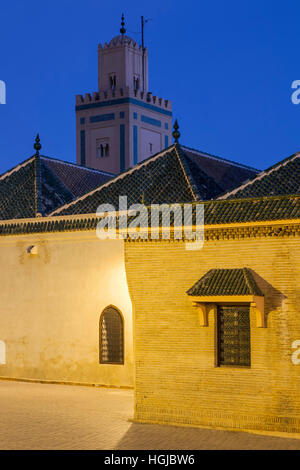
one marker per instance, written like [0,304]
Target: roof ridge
[82,167]
[113,180]
[37,184]
[251,283]
[222,159]
[188,161]
[58,180]
[187,172]
[246,274]
[284,161]
[263,173]
[17,167]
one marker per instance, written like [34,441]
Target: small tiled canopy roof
[226,282]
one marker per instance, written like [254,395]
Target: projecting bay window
[233,335]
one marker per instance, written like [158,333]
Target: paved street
[39,416]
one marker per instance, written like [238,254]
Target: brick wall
[177,381]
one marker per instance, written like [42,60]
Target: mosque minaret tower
[122,123]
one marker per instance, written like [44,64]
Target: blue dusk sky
[227,66]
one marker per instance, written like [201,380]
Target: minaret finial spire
[37,146]
[122,29]
[176,133]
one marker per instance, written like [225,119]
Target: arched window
[136,83]
[111,337]
[102,147]
[113,81]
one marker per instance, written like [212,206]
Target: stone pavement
[40,416]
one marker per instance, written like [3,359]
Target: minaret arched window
[111,337]
[112,81]
[136,83]
[103,149]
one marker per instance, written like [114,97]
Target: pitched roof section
[225,282]
[76,179]
[216,213]
[40,184]
[18,192]
[252,210]
[167,177]
[227,174]
[279,179]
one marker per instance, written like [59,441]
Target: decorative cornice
[78,223]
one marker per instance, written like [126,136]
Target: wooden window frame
[218,335]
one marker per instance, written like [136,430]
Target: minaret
[122,123]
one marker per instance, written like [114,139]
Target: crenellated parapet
[119,41]
[108,95]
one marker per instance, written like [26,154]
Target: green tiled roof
[225,282]
[282,178]
[226,173]
[230,211]
[41,184]
[215,213]
[167,177]
[252,209]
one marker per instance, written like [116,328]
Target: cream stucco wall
[51,305]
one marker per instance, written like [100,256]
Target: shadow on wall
[273,297]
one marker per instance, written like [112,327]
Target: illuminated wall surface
[177,378]
[51,304]
[52,300]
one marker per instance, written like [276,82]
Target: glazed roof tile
[41,184]
[167,177]
[216,213]
[226,282]
[226,173]
[282,178]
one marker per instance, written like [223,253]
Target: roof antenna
[37,146]
[122,29]
[143,22]
[143,51]
[176,133]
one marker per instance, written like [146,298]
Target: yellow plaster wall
[177,380]
[51,305]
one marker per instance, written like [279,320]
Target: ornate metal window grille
[111,337]
[233,336]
